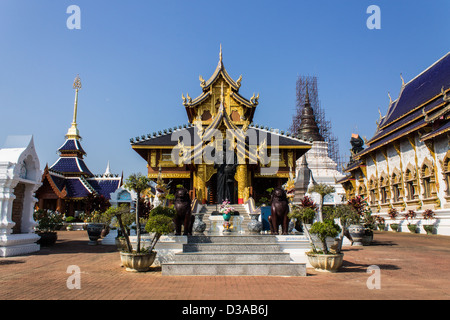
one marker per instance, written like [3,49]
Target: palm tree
[322,189]
[138,183]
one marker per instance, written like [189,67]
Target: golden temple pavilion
[221,131]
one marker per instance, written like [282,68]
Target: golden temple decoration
[73,132]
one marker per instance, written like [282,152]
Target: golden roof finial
[220,54]
[390,99]
[403,81]
[77,82]
[73,132]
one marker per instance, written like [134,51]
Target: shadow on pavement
[75,246]
[348,266]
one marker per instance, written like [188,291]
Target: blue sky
[136,58]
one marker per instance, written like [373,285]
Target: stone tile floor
[411,267]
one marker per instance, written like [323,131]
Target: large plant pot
[357,232]
[94,231]
[137,262]
[325,262]
[254,226]
[48,238]
[368,237]
[428,228]
[412,228]
[395,227]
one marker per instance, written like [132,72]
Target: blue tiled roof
[406,113]
[70,165]
[105,186]
[421,89]
[71,145]
[76,189]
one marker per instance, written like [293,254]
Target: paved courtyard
[411,267]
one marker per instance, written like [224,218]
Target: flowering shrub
[428,214]
[361,207]
[307,202]
[225,207]
[393,213]
[379,219]
[411,214]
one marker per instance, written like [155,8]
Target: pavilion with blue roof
[68,182]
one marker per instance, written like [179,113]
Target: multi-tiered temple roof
[69,177]
[220,114]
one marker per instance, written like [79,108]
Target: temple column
[201,184]
[241,177]
[6,203]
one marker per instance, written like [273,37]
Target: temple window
[384,189]
[428,180]
[373,194]
[411,190]
[396,193]
[411,184]
[446,173]
[396,186]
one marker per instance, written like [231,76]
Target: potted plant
[369,226]
[226,210]
[380,222]
[323,260]
[411,214]
[356,229]
[48,222]
[393,213]
[428,215]
[303,215]
[160,222]
[347,216]
[94,227]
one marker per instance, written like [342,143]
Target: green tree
[322,189]
[138,183]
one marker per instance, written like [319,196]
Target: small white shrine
[20,177]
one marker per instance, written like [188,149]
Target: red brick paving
[412,267]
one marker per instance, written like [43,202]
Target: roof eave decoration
[206,86]
[60,193]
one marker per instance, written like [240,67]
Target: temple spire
[309,130]
[73,132]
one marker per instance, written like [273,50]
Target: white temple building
[20,177]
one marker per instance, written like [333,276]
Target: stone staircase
[209,209]
[233,255]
